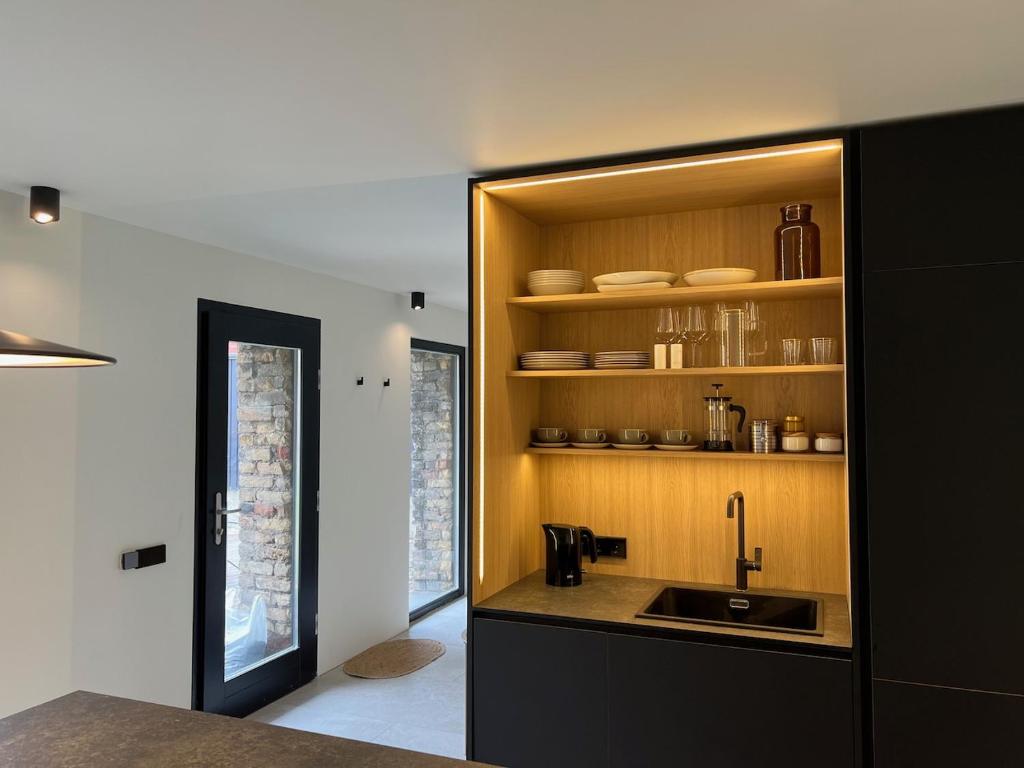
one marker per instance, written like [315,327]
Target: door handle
[219,514]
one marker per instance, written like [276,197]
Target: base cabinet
[550,696]
[945,727]
[539,696]
[708,706]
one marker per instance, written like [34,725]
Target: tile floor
[424,711]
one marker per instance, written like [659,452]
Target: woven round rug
[393,658]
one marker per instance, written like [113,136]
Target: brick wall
[432,495]
[266,403]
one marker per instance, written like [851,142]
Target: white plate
[590,445]
[549,445]
[570,273]
[632,278]
[553,353]
[631,446]
[637,287]
[554,290]
[668,447]
[722,276]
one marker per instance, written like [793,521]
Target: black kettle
[564,545]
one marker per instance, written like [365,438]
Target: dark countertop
[92,731]
[615,599]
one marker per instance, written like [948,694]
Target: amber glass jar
[797,244]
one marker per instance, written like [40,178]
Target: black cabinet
[539,695]
[685,704]
[945,430]
[550,696]
[917,725]
[943,191]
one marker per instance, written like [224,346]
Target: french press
[718,410]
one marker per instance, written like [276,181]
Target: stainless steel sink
[778,613]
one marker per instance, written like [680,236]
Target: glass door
[256,518]
[436,500]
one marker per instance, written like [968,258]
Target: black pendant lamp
[419,300]
[20,351]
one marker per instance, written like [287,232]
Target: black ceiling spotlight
[44,205]
[419,300]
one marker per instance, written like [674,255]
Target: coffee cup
[550,435]
[632,436]
[590,435]
[675,436]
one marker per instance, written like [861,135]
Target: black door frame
[460,467]
[272,680]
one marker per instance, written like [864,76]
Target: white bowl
[567,274]
[720,276]
[632,278]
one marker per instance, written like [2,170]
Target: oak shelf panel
[773,290]
[652,373]
[654,453]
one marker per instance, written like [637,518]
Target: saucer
[632,446]
[549,445]
[590,445]
[676,447]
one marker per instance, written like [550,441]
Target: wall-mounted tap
[742,564]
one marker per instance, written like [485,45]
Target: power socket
[611,546]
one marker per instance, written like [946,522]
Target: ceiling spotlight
[44,205]
[419,300]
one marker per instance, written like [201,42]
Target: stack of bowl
[550,282]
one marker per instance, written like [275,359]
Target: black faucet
[742,564]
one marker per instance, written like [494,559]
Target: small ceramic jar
[795,442]
[828,442]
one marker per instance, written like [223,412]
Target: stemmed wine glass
[694,329]
[667,331]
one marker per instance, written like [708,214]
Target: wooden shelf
[654,453]
[783,290]
[651,373]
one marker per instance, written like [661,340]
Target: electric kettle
[718,424]
[564,545]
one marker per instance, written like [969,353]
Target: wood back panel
[673,517]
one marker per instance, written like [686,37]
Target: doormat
[393,658]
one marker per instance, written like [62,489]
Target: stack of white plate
[630,359]
[615,282]
[555,360]
[550,282]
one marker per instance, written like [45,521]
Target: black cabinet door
[943,191]
[539,696]
[944,359]
[918,725]
[684,704]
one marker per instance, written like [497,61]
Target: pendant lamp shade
[20,351]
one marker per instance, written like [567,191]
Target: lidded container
[793,424]
[764,436]
[720,434]
[795,442]
[828,442]
[797,244]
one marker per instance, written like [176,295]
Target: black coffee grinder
[564,544]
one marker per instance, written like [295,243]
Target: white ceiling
[337,135]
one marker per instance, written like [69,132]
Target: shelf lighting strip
[668,167]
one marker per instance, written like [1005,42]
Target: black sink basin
[801,615]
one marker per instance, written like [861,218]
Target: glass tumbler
[823,350]
[792,351]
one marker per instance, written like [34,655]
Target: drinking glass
[792,351]
[757,330]
[823,350]
[667,331]
[694,329]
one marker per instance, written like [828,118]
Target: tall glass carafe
[740,333]
[719,432]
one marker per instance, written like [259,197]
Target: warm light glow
[42,217]
[46,361]
[668,167]
[480,431]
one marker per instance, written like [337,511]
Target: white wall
[131,633]
[38,296]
